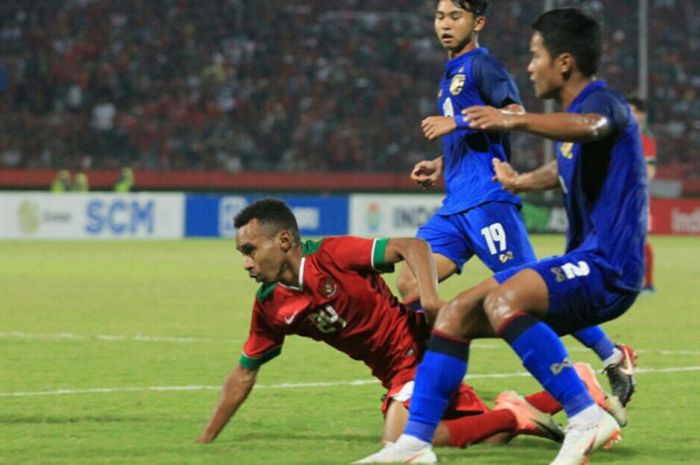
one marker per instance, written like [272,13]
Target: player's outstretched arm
[569,127]
[419,257]
[426,172]
[238,385]
[544,178]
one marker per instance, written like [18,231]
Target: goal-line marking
[359,382]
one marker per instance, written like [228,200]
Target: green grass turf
[73,315]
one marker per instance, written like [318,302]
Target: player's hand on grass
[426,172]
[436,126]
[485,118]
[506,175]
[204,439]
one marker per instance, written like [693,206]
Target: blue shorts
[494,232]
[580,291]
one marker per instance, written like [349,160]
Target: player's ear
[479,23]
[565,63]
[286,240]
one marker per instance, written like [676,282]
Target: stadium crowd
[300,85]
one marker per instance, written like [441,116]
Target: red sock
[648,265]
[471,429]
[544,402]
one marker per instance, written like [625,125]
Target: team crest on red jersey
[327,287]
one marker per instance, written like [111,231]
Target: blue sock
[544,355]
[438,376]
[595,338]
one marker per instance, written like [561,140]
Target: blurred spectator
[80,183]
[62,182]
[303,85]
[125,183]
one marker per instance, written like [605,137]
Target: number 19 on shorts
[495,237]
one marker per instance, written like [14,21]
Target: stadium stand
[300,85]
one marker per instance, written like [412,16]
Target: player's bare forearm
[419,257]
[238,385]
[570,127]
[514,108]
[543,178]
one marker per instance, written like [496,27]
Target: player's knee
[498,306]
[462,317]
[451,318]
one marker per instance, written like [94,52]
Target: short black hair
[569,30]
[269,212]
[478,7]
[637,102]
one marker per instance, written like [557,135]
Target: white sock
[411,443]
[614,359]
[586,416]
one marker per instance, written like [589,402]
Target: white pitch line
[359,382]
[115,338]
[194,340]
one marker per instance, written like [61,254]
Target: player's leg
[597,340]
[440,373]
[450,251]
[497,235]
[648,269]
[568,293]
[619,360]
[461,431]
[543,400]
[516,308]
[469,420]
[394,421]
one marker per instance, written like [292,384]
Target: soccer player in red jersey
[639,110]
[332,291]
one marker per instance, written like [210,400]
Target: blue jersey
[605,188]
[474,78]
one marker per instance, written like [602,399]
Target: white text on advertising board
[685,223]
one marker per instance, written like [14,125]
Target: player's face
[455,27]
[263,256]
[639,116]
[543,72]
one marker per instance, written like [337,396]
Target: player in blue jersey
[478,216]
[600,168]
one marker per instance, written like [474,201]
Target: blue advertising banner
[212,215]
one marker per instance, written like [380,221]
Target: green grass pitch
[114,353]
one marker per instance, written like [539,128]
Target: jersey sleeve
[605,104]
[263,343]
[649,147]
[495,84]
[358,253]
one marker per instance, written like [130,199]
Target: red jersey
[649,146]
[343,301]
